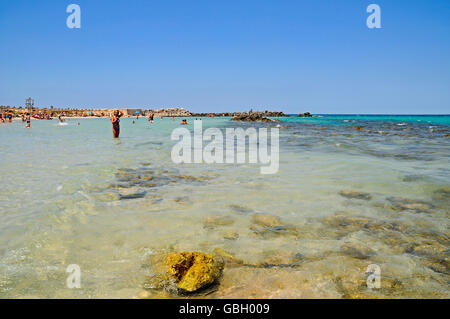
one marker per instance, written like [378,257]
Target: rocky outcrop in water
[193,270]
[306,114]
[233,114]
[185,272]
[169,112]
[251,117]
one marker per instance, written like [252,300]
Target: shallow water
[344,198]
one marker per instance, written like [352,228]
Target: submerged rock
[266,220]
[230,235]
[130,193]
[240,209]
[269,226]
[355,195]
[412,178]
[146,177]
[280,259]
[434,255]
[402,204]
[192,178]
[275,231]
[356,250]
[230,260]
[211,222]
[351,223]
[442,194]
[193,270]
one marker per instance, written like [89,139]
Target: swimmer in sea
[28,118]
[150,118]
[183,122]
[115,120]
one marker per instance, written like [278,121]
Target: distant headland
[133,112]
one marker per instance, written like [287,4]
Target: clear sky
[211,55]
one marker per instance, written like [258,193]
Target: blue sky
[294,56]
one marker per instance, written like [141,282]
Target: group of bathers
[6,117]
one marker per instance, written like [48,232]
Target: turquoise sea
[351,191]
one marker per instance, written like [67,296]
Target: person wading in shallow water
[28,119]
[115,120]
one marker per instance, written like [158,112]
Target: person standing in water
[115,120]
[28,118]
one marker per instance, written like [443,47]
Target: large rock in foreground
[193,271]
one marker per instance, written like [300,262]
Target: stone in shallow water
[230,235]
[193,270]
[192,178]
[147,178]
[277,258]
[275,231]
[351,223]
[119,185]
[125,175]
[211,222]
[413,178]
[357,223]
[356,250]
[442,194]
[148,184]
[434,255]
[131,193]
[355,195]
[240,209]
[402,204]
[265,220]
[230,260]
